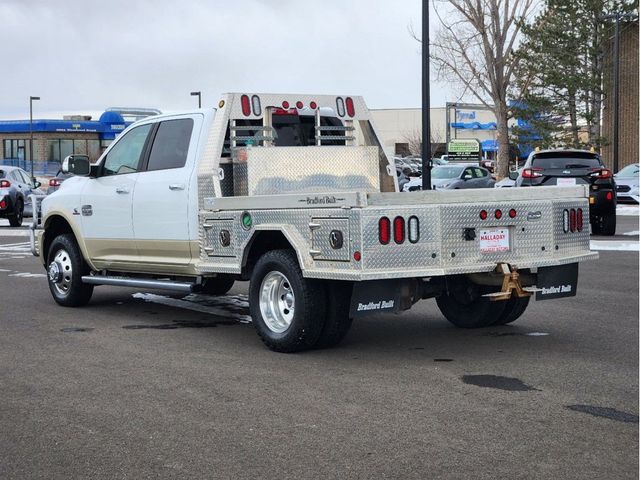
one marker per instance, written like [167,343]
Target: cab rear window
[565,161]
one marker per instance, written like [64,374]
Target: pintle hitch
[511,285]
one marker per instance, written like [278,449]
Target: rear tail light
[398,230]
[498,214]
[340,106]
[565,221]
[5,183]
[384,230]
[255,103]
[285,105]
[414,229]
[609,196]
[246,106]
[313,105]
[351,110]
[601,173]
[357,256]
[572,220]
[531,173]
[299,105]
[513,213]
[579,220]
[3,204]
[54,182]
[483,214]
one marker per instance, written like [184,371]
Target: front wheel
[15,220]
[65,270]
[287,309]
[463,305]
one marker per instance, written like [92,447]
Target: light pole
[426,104]
[199,95]
[31,99]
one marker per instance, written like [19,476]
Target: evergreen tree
[560,74]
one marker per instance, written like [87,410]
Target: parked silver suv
[15,188]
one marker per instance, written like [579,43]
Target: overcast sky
[82,56]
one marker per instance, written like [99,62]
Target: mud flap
[557,282]
[377,296]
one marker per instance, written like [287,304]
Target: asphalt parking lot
[141,384]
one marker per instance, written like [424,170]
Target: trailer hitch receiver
[511,286]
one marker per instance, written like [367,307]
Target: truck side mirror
[77,165]
[513,175]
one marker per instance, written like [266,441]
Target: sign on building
[467,150]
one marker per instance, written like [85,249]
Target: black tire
[15,220]
[608,225]
[69,291]
[307,310]
[219,285]
[337,322]
[463,305]
[513,309]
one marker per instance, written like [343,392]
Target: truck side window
[125,155]
[171,144]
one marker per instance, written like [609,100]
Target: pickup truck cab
[295,194]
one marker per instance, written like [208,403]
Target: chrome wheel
[60,272]
[277,302]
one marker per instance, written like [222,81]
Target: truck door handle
[176,186]
[122,190]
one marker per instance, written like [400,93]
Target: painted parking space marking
[614,245]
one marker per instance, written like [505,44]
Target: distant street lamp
[31,99]
[199,95]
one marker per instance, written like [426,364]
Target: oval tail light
[572,220]
[5,183]
[384,230]
[256,106]
[351,109]
[414,229]
[579,224]
[246,106]
[398,230]
[340,106]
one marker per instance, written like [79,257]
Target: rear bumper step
[183,287]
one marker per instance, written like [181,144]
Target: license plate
[565,182]
[494,240]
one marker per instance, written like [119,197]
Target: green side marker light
[247,221]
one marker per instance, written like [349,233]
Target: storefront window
[93,149]
[53,149]
[13,149]
[66,148]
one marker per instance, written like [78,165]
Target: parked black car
[575,167]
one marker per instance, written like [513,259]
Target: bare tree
[413,139]
[474,48]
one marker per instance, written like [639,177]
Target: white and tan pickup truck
[295,194]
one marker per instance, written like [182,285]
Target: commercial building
[628,104]
[53,140]
[401,129]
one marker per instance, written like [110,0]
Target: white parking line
[615,245]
